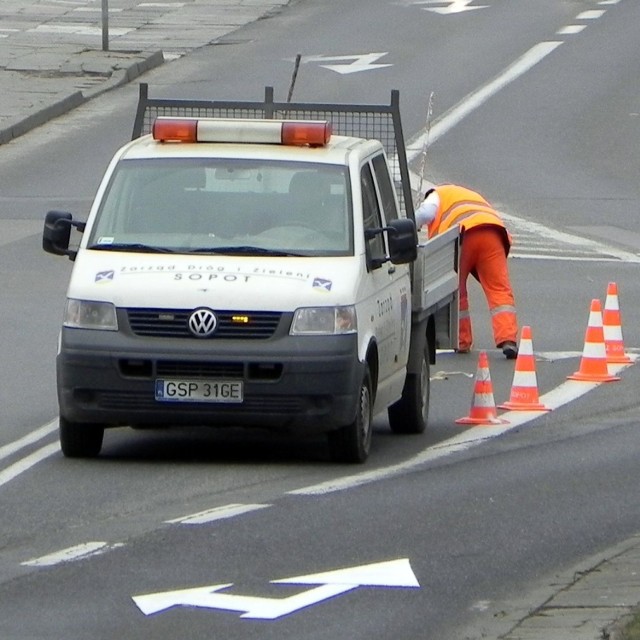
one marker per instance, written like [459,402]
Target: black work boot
[510,349]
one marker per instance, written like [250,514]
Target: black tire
[80,439]
[353,442]
[410,415]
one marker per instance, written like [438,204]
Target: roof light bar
[237,130]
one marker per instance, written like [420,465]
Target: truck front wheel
[353,442]
[411,413]
[79,439]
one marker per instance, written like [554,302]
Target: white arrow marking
[395,573]
[455,6]
[359,62]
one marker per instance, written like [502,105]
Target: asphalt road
[554,145]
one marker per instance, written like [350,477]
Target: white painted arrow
[455,6]
[395,573]
[359,62]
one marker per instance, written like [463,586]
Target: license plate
[199,390]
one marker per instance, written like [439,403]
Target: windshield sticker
[105,276]
[321,284]
[105,240]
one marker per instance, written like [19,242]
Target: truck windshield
[200,204]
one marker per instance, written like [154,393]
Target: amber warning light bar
[286,132]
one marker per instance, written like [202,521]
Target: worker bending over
[484,247]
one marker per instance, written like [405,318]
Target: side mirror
[403,241]
[57,233]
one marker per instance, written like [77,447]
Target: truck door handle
[392,269]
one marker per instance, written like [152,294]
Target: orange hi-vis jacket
[462,206]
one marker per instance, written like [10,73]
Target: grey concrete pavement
[53,58]
[57,54]
[591,601]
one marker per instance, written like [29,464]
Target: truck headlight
[87,314]
[324,321]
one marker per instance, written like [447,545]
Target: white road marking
[30,438]
[394,573]
[591,15]
[571,29]
[454,6]
[561,395]
[353,63]
[478,97]
[27,462]
[219,513]
[77,552]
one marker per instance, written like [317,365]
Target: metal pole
[105,25]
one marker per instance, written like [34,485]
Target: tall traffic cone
[593,366]
[483,406]
[524,390]
[612,327]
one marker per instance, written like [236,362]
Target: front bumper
[304,384]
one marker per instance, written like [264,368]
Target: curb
[589,601]
[118,78]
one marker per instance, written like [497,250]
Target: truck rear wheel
[353,442]
[80,439]
[411,413]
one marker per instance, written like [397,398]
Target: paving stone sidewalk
[57,54]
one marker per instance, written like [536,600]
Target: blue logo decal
[321,283]
[103,276]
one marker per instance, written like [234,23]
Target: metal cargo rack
[379,122]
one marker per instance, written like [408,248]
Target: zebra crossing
[536,241]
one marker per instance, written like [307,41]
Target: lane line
[77,552]
[217,513]
[593,14]
[475,99]
[30,438]
[561,395]
[26,463]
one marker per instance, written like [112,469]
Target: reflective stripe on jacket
[462,206]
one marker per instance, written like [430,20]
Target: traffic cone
[612,327]
[593,366]
[524,390]
[483,406]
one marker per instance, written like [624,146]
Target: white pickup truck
[253,264]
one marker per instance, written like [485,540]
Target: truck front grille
[174,323]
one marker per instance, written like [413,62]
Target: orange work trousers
[483,254]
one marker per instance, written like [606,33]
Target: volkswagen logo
[202,323]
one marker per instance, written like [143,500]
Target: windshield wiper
[136,247]
[246,250]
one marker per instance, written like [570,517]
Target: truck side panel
[435,287]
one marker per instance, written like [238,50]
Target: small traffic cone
[593,366]
[612,327]
[483,406]
[524,390]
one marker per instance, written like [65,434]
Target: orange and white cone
[612,327]
[483,406]
[593,366]
[524,390]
